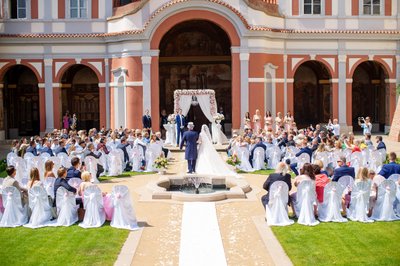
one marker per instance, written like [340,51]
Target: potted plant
[233,160]
[161,164]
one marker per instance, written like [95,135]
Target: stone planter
[162,171]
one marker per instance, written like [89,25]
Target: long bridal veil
[209,162]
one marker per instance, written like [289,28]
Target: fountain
[199,188]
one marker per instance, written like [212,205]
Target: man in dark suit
[190,137]
[61,181]
[123,146]
[32,148]
[391,168]
[279,175]
[381,144]
[61,148]
[74,170]
[259,143]
[90,152]
[221,111]
[304,149]
[180,124]
[47,148]
[146,120]
[342,170]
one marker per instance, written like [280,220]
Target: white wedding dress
[209,162]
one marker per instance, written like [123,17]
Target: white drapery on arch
[206,100]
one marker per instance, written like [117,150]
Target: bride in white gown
[209,162]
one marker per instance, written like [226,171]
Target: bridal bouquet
[219,117]
[160,163]
[171,119]
[233,160]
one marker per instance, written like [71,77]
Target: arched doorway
[312,94]
[21,102]
[369,95]
[196,54]
[80,95]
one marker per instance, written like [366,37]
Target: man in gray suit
[190,137]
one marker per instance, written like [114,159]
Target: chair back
[359,202]
[91,166]
[346,182]
[49,186]
[64,160]
[276,209]
[384,208]
[39,204]
[330,209]
[10,158]
[394,177]
[94,211]
[75,182]
[66,207]
[306,198]
[14,213]
[258,158]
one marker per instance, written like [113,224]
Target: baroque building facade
[109,61]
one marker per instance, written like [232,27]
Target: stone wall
[395,128]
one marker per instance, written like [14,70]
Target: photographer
[365,125]
[334,127]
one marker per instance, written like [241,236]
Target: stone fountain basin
[238,187]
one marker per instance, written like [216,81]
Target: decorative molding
[98,65]
[389,62]
[295,61]
[38,67]
[146,60]
[371,57]
[41,85]
[331,62]
[48,62]
[334,80]
[56,85]
[58,66]
[352,62]
[127,84]
[268,80]
[390,81]
[244,56]
[18,61]
[2,64]
[78,60]
[342,58]
[102,85]
[349,80]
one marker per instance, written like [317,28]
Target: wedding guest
[342,170]
[304,149]
[102,147]
[74,122]
[34,178]
[247,120]
[61,181]
[61,148]
[66,120]
[46,147]
[278,122]
[365,125]
[288,121]
[75,170]
[279,175]
[306,173]
[391,168]
[48,169]
[257,121]
[123,146]
[146,120]
[258,143]
[32,148]
[335,127]
[268,121]
[86,177]
[221,111]
[321,180]
[10,181]
[163,121]
[381,144]
[180,125]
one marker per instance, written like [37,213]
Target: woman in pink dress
[257,121]
[288,121]
[66,120]
[247,120]
[278,122]
[268,121]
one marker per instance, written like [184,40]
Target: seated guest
[102,146]
[258,143]
[61,181]
[321,180]
[381,144]
[10,181]
[304,149]
[32,148]
[74,170]
[391,168]
[48,169]
[123,146]
[46,147]
[86,177]
[90,152]
[342,170]
[279,175]
[61,148]
[306,173]
[35,178]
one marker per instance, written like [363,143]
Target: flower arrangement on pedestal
[233,160]
[171,119]
[160,163]
[218,117]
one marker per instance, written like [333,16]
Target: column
[107,92]
[342,90]
[285,85]
[335,96]
[155,90]
[146,77]
[102,104]
[48,83]
[2,129]
[244,86]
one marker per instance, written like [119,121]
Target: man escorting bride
[207,161]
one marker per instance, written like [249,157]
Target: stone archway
[196,54]
[21,102]
[80,95]
[312,94]
[369,95]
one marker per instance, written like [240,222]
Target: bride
[209,162]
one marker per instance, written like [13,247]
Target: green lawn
[61,245]
[350,243]
[124,174]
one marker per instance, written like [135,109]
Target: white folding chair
[306,199]
[151,155]
[38,162]
[75,182]
[329,209]
[359,202]
[67,209]
[115,163]
[45,156]
[394,177]
[302,159]
[91,166]
[383,210]
[276,211]
[346,182]
[124,215]
[274,157]
[10,158]
[258,159]
[136,158]
[41,210]
[94,211]
[64,159]
[48,184]
[244,160]
[57,163]
[21,168]
[14,213]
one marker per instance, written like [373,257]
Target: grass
[3,174]
[349,243]
[61,245]
[263,172]
[124,174]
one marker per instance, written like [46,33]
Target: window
[118,3]
[312,7]
[78,9]
[372,7]
[18,9]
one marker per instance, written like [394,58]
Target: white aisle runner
[201,242]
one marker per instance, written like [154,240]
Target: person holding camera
[365,125]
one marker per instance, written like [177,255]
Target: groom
[191,138]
